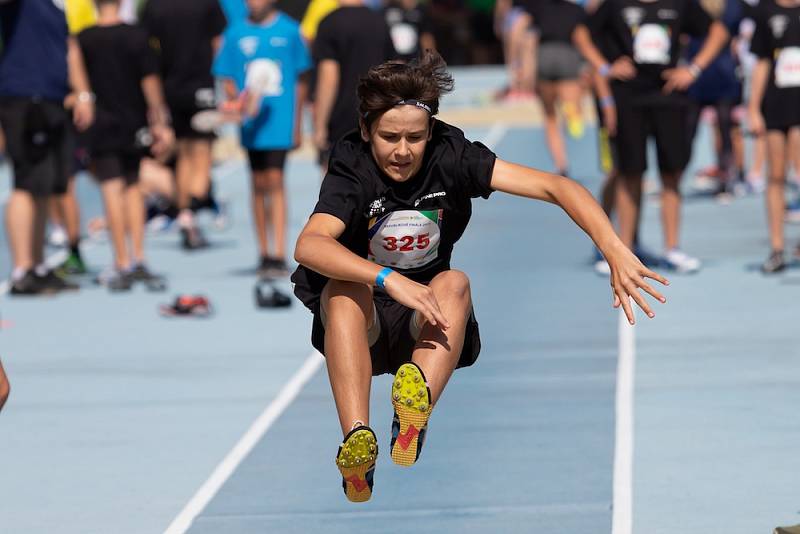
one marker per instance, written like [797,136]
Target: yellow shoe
[356,461]
[574,121]
[411,399]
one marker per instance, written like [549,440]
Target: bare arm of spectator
[83,110]
[328,73]
[621,69]
[158,116]
[301,94]
[5,388]
[607,105]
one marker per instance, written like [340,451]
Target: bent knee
[453,283]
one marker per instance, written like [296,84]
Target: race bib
[651,45]
[787,67]
[405,239]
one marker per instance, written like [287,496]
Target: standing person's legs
[269,207]
[113,191]
[548,92]
[20,217]
[631,137]
[570,93]
[777,161]
[134,211]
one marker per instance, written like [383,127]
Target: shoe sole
[356,457]
[411,399]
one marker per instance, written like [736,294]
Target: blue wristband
[380,280]
[604,69]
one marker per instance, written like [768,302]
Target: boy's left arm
[627,272]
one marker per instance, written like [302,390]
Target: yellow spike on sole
[412,403]
[356,457]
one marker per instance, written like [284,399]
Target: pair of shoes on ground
[32,284]
[357,455]
[123,280]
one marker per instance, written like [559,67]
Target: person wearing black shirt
[774,106]
[123,71]
[187,33]
[349,41]
[649,91]
[409,27]
[375,256]
[558,70]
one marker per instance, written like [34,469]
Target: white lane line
[225,469]
[622,516]
[495,135]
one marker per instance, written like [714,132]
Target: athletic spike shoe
[411,399]
[356,461]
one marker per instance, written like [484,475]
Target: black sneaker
[29,285]
[193,239]
[273,268]
[152,282]
[54,283]
[115,280]
[774,264]
[72,266]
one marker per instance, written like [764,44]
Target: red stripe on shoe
[358,483]
[405,439]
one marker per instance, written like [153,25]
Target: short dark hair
[423,80]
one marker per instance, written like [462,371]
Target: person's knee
[339,293]
[453,284]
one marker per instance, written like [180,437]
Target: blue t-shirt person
[279,45]
[33,59]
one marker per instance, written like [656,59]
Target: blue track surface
[118,416]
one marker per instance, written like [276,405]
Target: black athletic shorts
[262,160]
[120,164]
[660,116]
[184,105]
[40,142]
[395,343]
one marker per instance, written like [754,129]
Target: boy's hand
[627,277]
[163,141]
[416,296]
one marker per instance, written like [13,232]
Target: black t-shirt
[555,20]
[777,38]
[117,58]
[184,31]
[357,38]
[649,33]
[412,226]
[406,26]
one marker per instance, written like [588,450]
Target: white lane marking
[495,135]
[225,469]
[622,516]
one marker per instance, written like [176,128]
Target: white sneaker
[677,260]
[602,268]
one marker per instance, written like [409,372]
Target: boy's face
[260,8]
[398,140]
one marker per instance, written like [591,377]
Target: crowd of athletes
[115,88]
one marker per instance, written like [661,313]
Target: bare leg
[629,197]
[71,214]
[114,199]
[437,351]
[349,310]
[277,199]
[135,213]
[259,198]
[670,208]
[555,142]
[776,156]
[39,229]
[201,168]
[20,216]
